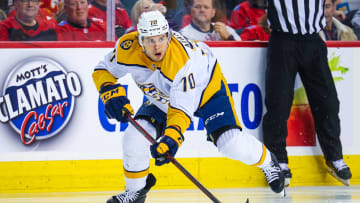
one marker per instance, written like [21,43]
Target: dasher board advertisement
[50,108]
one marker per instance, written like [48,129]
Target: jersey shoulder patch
[128,50]
[128,40]
[126,44]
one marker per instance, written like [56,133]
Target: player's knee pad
[238,145]
[136,148]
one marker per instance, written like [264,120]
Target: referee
[295,47]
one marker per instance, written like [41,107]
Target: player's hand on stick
[169,143]
[115,101]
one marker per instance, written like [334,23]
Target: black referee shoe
[339,170]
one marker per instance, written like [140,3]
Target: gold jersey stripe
[134,55]
[262,159]
[175,58]
[216,79]
[228,93]
[136,174]
[213,86]
[176,117]
[102,76]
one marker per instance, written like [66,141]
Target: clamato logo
[38,98]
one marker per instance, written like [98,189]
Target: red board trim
[19,45]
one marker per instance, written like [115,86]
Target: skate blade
[282,193]
[343,181]
[287,182]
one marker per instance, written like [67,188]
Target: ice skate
[134,196]
[287,173]
[287,176]
[274,176]
[339,170]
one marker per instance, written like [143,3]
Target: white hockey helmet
[152,23]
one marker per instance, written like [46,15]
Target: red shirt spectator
[12,30]
[78,26]
[121,16]
[244,14]
[95,30]
[42,13]
[254,32]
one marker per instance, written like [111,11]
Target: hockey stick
[172,159]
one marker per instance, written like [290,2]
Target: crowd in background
[205,20]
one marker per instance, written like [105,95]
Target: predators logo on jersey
[151,91]
[126,44]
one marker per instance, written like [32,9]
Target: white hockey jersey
[192,32]
[183,81]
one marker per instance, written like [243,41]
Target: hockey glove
[115,101]
[169,143]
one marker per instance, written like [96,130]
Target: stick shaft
[173,160]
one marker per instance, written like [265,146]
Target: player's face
[77,11]
[27,8]
[202,11]
[329,10]
[155,47]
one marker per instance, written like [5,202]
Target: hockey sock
[135,184]
[265,160]
[136,155]
[240,146]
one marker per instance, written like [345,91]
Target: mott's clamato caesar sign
[38,98]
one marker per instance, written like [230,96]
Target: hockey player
[180,79]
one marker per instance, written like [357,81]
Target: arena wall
[84,152]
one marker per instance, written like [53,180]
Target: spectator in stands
[78,26]
[334,29]
[201,27]
[26,25]
[175,9]
[230,5]
[42,13]
[220,14]
[260,32]
[97,9]
[143,6]
[175,12]
[247,13]
[353,20]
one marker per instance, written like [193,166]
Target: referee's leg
[279,91]
[323,100]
